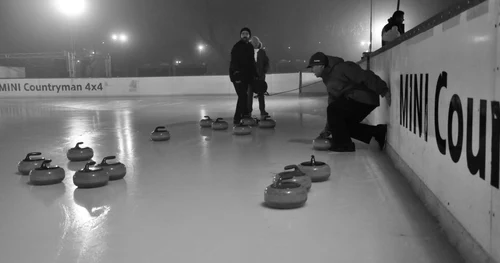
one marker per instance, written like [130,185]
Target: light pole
[200,49]
[371,35]
[72,9]
[121,38]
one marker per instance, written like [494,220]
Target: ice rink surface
[199,196]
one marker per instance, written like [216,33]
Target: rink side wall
[444,120]
[155,86]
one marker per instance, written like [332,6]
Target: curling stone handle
[44,163]
[280,177]
[86,168]
[295,168]
[313,160]
[78,145]
[108,158]
[291,166]
[207,117]
[159,127]
[32,154]
[218,119]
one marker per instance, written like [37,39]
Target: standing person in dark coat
[353,93]
[242,72]
[259,85]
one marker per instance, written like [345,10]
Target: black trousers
[344,117]
[241,105]
[262,103]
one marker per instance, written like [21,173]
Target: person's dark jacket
[262,64]
[347,79]
[242,65]
[389,26]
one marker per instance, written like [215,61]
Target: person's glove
[388,98]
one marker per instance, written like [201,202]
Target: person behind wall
[259,85]
[394,28]
[353,93]
[242,72]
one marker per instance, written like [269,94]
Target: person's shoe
[264,113]
[381,135]
[236,121]
[343,148]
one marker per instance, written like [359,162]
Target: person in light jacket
[259,86]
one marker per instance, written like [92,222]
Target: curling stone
[47,175]
[90,177]
[321,144]
[267,123]
[160,134]
[220,124]
[318,171]
[206,122]
[242,129]
[116,171]
[297,176]
[283,194]
[28,164]
[249,121]
[78,154]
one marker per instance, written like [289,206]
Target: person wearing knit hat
[259,85]
[246,29]
[242,72]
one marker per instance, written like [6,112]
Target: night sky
[164,30]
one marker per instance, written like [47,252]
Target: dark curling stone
[78,154]
[242,129]
[297,176]
[267,123]
[220,124]
[322,144]
[285,195]
[116,171]
[206,122]
[45,175]
[249,121]
[90,177]
[160,134]
[28,163]
[318,171]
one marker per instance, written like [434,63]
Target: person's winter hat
[247,30]
[256,40]
[318,58]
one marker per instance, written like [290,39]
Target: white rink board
[161,86]
[466,48]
